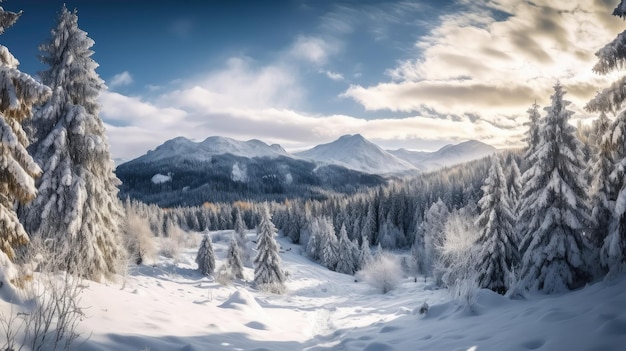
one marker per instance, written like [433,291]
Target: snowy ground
[169,306]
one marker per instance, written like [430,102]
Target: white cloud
[478,63]
[121,79]
[474,79]
[336,76]
[313,49]
[239,84]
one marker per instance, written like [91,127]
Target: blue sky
[412,74]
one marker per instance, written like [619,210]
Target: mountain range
[185,172]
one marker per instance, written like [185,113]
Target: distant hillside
[448,155]
[184,173]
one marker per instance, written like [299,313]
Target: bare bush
[383,272]
[224,275]
[48,312]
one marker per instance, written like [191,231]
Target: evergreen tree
[328,245]
[433,228]
[497,250]
[369,224]
[348,253]
[365,254]
[313,244]
[18,93]
[514,184]
[241,236]
[553,210]
[612,57]
[233,259]
[206,257]
[267,271]
[602,190]
[77,203]
[240,228]
[533,136]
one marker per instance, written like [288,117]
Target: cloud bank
[473,76]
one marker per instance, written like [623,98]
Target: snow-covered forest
[500,234]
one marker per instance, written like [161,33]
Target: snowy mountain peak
[448,155]
[357,153]
[181,148]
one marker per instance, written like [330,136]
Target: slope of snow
[160,178]
[170,306]
[183,148]
[357,153]
[448,155]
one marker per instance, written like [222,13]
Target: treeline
[263,179]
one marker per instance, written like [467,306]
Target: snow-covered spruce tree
[328,244]
[206,257]
[533,136]
[553,210]
[348,253]
[233,259]
[497,250]
[241,236]
[267,272]
[365,254]
[18,93]
[610,58]
[602,191]
[77,203]
[433,228]
[240,228]
[514,183]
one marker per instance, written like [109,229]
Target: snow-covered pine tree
[206,257]
[514,183]
[328,245]
[369,223]
[497,249]
[18,93]
[365,254]
[433,228]
[533,136]
[553,207]
[240,228]
[348,253]
[233,259]
[241,236]
[601,188]
[77,204]
[313,243]
[610,58]
[267,272]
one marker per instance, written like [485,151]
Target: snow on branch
[620,10]
[609,99]
[612,55]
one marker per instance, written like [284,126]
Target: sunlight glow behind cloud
[473,76]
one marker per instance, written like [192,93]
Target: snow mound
[243,301]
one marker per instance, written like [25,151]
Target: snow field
[170,306]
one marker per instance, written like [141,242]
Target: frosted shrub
[173,244]
[224,275]
[383,273]
[465,290]
[139,239]
[457,254]
[273,288]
